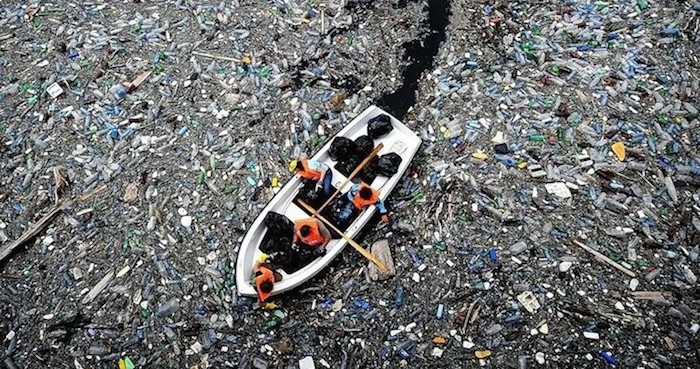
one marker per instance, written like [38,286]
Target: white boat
[401,140]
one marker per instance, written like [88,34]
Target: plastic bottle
[670,32]
[689,275]
[168,308]
[505,159]
[440,311]
[454,129]
[400,296]
[617,231]
[362,304]
[384,352]
[415,258]
[670,254]
[607,357]
[493,255]
[652,275]
[119,91]
[518,247]
[272,323]
[404,351]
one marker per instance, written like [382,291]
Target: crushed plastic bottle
[608,357]
[362,304]
[400,296]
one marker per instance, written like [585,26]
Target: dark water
[420,55]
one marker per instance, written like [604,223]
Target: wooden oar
[354,244]
[357,170]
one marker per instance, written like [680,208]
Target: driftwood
[139,80]
[33,230]
[382,252]
[605,259]
[649,295]
[218,57]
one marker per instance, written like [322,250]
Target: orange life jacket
[266,275]
[308,173]
[314,238]
[361,203]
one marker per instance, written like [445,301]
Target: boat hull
[401,140]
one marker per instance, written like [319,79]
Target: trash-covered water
[551,218]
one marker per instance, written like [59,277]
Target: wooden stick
[323,20]
[139,80]
[648,295]
[205,55]
[33,230]
[605,259]
[43,222]
[468,316]
[60,182]
[354,244]
[357,170]
[93,193]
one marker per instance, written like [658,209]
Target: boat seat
[294,212]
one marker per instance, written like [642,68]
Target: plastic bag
[310,195]
[342,147]
[281,254]
[369,172]
[276,244]
[379,126]
[347,165]
[365,145]
[388,164]
[279,225]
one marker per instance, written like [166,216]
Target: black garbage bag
[347,165]
[379,126]
[274,244]
[279,225]
[309,194]
[365,145]
[369,172]
[342,147]
[388,164]
[281,254]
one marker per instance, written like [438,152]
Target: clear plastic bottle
[400,296]
[689,275]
